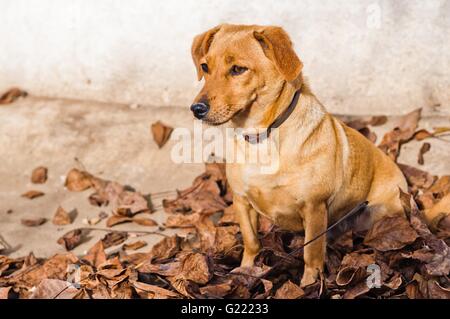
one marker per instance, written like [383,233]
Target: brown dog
[253,79]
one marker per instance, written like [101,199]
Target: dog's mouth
[214,121]
[224,118]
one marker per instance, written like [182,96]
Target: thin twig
[157,194]
[125,231]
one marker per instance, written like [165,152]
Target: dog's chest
[272,195]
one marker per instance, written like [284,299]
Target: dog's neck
[308,113]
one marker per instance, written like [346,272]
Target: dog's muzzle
[200,110]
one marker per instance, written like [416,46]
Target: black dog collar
[259,137]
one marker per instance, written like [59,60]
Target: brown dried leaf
[135,245]
[33,194]
[114,239]
[357,290]
[144,221]
[440,265]
[161,133]
[390,233]
[416,177]
[54,289]
[61,217]
[289,290]
[218,290]
[39,175]
[33,222]
[196,267]
[96,256]
[4,292]
[421,135]
[204,196]
[182,221]
[11,95]
[166,248]
[378,120]
[168,269]
[225,239]
[130,203]
[353,268]
[427,288]
[156,292]
[77,181]
[402,133]
[115,220]
[53,268]
[71,239]
[425,148]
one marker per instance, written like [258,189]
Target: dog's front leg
[248,221]
[315,222]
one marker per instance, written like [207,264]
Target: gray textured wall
[361,56]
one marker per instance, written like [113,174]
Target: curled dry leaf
[403,132]
[353,268]
[116,220]
[161,133]
[426,288]
[11,95]
[289,290]
[33,194]
[390,233]
[357,290]
[33,222]
[39,175]
[61,217]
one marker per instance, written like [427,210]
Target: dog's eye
[237,70]
[204,67]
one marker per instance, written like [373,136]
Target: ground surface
[112,142]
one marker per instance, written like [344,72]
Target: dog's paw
[248,260]
[310,276]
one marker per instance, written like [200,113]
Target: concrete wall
[361,56]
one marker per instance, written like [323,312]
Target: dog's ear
[200,47]
[277,46]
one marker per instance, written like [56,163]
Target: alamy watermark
[374,279]
[251,146]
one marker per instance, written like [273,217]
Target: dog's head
[245,68]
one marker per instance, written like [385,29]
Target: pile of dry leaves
[202,261]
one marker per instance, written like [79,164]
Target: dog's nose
[200,110]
